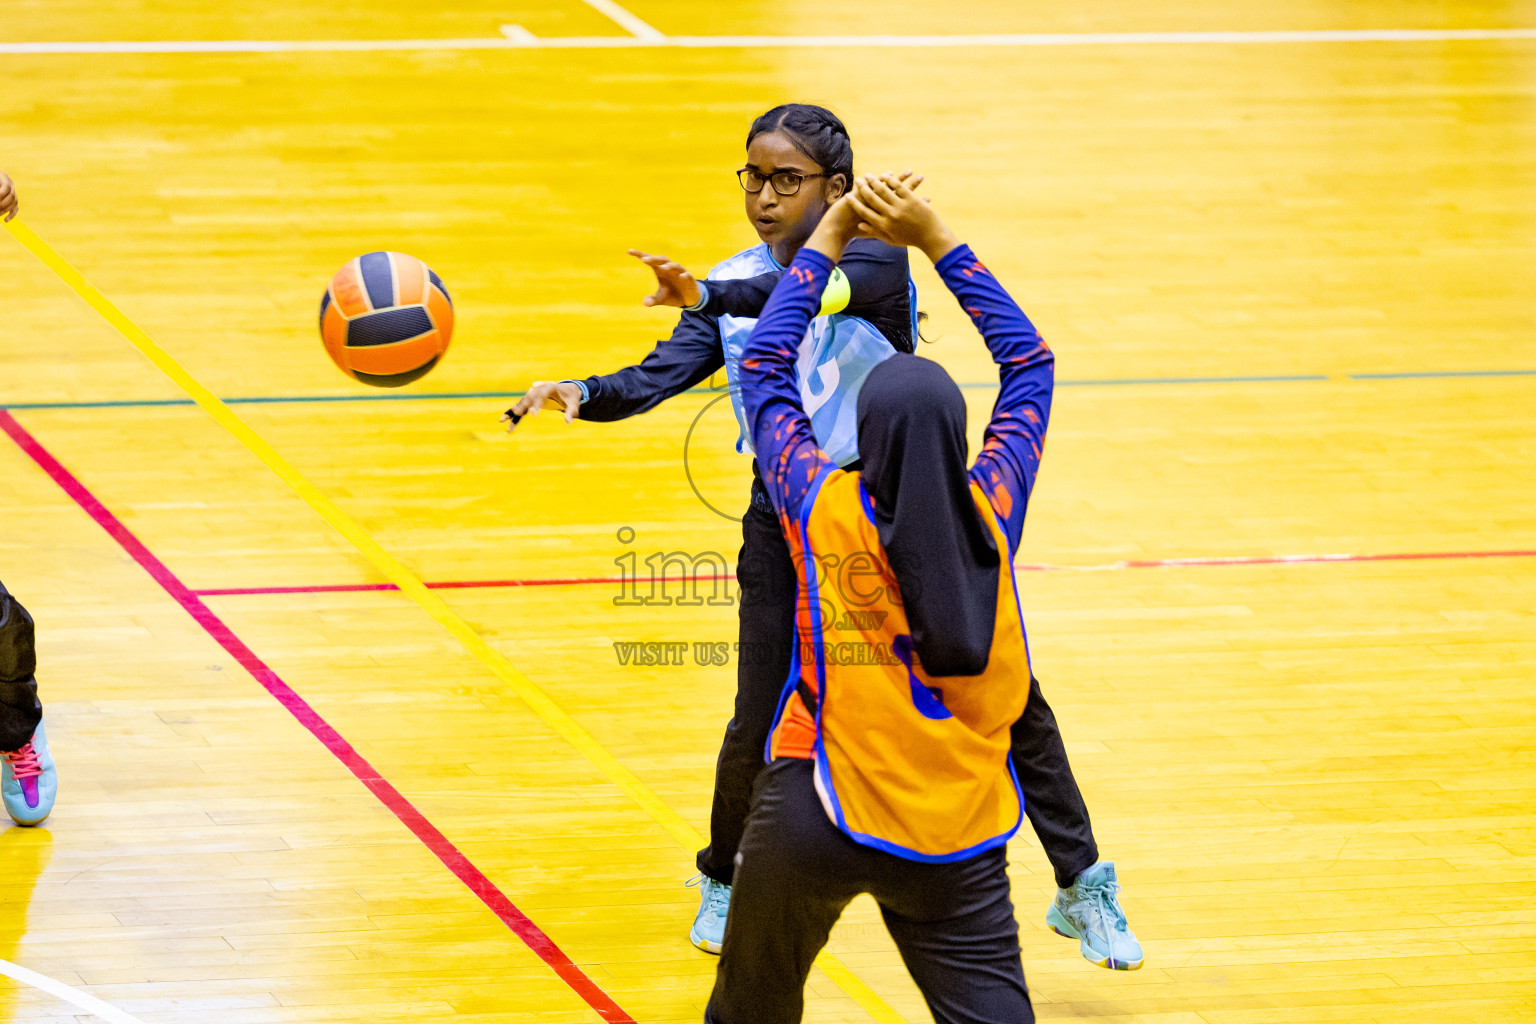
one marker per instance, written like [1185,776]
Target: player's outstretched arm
[676,364]
[675,286]
[1011,449]
[770,391]
[562,394]
[9,204]
[893,213]
[870,280]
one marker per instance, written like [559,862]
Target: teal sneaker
[708,931]
[1090,912]
[28,780]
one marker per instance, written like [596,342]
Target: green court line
[437,396]
[1435,374]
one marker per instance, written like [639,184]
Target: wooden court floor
[1281,563]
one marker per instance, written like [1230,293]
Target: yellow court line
[531,694]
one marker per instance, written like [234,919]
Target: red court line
[343,588]
[542,945]
[1158,563]
[1414,556]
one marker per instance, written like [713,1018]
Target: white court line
[522,39]
[625,20]
[73,996]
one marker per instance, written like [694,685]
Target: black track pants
[767,575]
[20,710]
[953,923]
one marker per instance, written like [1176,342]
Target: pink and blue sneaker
[28,780]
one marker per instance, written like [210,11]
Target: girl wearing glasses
[799,163]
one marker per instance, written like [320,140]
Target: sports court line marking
[537,701]
[521,39]
[1431,374]
[84,1000]
[629,22]
[472,877]
[1155,563]
[441,396]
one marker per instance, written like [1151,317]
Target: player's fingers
[866,213]
[903,187]
[882,188]
[570,411]
[864,201]
[638,254]
[536,397]
[867,197]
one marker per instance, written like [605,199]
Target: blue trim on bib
[790,685]
[864,839]
[1013,579]
[867,503]
[928,700]
[824,769]
[813,593]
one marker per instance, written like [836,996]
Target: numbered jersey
[906,763]
[836,354]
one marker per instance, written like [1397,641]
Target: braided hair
[815,131]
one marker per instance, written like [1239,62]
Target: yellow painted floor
[1289,285]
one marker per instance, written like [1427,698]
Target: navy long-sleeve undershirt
[878,281]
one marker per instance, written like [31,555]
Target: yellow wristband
[834,298]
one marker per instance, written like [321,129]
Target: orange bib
[913,765]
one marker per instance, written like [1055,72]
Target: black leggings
[952,923]
[20,710]
[767,575]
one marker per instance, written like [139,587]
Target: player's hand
[674,285]
[837,227]
[911,179]
[896,216]
[562,393]
[9,204]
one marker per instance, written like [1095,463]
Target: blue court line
[1428,374]
[430,396]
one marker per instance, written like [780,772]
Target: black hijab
[912,444]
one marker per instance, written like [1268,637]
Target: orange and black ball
[386,319]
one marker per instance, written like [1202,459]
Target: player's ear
[836,186]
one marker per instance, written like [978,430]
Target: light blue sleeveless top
[836,354]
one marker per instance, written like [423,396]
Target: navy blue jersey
[839,348]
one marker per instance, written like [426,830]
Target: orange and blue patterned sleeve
[770,392]
[1011,446]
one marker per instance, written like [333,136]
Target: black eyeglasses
[785,183]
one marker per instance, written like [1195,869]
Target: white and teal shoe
[708,931]
[28,780]
[1090,912]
